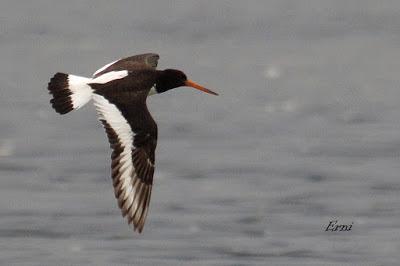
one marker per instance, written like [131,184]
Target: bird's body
[119,91]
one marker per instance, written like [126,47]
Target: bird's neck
[162,84]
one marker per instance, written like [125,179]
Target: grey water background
[306,130]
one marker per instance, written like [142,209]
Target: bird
[119,91]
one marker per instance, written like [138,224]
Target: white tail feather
[69,92]
[81,90]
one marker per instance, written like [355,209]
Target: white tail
[69,92]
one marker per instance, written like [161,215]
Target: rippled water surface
[306,130]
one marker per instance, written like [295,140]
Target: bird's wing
[132,134]
[131,63]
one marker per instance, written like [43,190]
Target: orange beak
[192,84]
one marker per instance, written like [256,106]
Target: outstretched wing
[131,63]
[132,134]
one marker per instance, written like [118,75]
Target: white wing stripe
[128,201]
[110,76]
[114,118]
[104,67]
[132,192]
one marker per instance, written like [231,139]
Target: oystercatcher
[119,91]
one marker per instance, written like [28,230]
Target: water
[305,131]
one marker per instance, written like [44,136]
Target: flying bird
[119,91]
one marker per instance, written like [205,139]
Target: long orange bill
[192,84]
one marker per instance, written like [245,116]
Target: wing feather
[149,60]
[132,165]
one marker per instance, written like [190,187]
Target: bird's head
[172,78]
